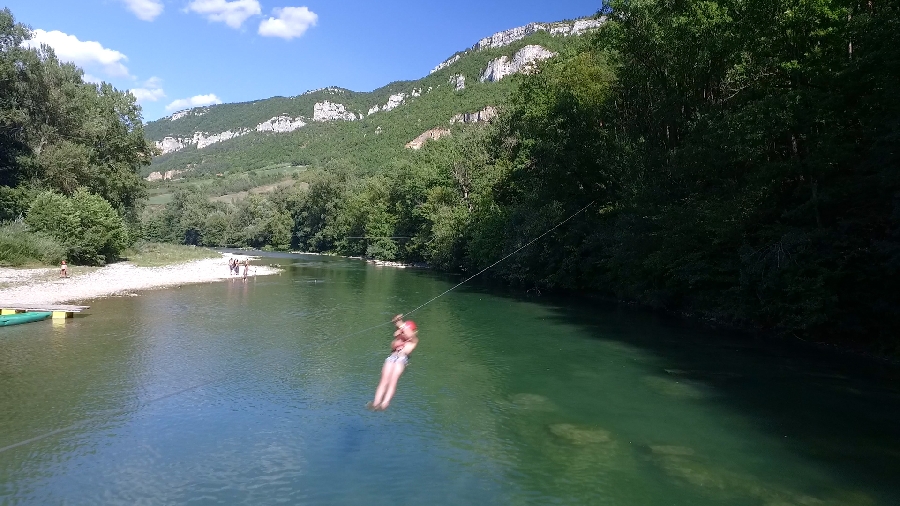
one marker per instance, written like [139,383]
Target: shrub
[21,246]
[86,224]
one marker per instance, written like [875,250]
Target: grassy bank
[20,247]
[151,254]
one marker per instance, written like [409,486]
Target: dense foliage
[85,224]
[739,159]
[58,133]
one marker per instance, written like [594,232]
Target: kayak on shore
[15,319]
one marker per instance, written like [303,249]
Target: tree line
[741,157]
[70,154]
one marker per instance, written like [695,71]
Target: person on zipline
[405,341]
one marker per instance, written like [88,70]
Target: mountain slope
[364,128]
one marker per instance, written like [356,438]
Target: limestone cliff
[278,124]
[507,37]
[330,111]
[433,134]
[522,61]
[482,116]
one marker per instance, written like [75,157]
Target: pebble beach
[42,286]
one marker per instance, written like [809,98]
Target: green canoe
[15,319]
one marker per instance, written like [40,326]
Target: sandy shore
[32,286]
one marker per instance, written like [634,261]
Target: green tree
[86,224]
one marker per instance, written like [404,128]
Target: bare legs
[390,375]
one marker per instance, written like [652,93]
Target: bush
[13,202]
[86,224]
[20,246]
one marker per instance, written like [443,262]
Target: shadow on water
[840,411]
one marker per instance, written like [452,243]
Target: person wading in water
[405,341]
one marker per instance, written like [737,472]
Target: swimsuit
[402,358]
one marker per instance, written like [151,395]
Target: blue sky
[175,54]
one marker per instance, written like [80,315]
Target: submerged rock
[580,435]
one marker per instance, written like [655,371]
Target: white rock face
[394,101]
[429,135]
[458,81]
[506,37]
[169,145]
[577,28]
[445,64]
[179,115]
[278,124]
[198,111]
[522,61]
[159,176]
[484,115]
[202,140]
[329,111]
[281,124]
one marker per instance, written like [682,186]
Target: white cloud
[147,10]
[232,13]
[150,92]
[291,22]
[195,101]
[89,78]
[87,54]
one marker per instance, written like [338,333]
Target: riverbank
[43,286]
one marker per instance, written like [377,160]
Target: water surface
[254,393]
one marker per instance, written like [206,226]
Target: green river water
[254,393]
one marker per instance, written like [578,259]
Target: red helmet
[410,324]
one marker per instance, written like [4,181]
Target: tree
[86,224]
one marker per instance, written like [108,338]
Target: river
[255,393]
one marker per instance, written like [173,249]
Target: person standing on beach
[63,270]
[246,268]
[405,340]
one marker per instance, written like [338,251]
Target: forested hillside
[370,141]
[70,157]
[739,160]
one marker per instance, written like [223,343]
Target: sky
[176,54]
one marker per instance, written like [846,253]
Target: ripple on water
[680,388]
[580,435]
[531,402]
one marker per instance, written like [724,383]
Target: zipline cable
[520,248]
[224,377]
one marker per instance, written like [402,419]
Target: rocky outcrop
[447,63]
[202,140]
[278,124]
[563,28]
[281,124]
[522,61]
[395,100]
[507,37]
[330,111]
[159,176]
[484,115]
[429,135]
[169,145]
[577,28]
[197,111]
[458,81]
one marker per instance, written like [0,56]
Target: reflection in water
[254,392]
